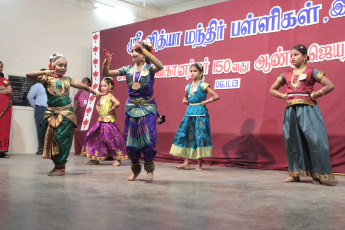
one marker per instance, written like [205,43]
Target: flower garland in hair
[149,44]
[201,67]
[54,59]
[112,80]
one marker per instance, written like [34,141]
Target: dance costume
[103,140]
[140,118]
[193,137]
[59,120]
[306,140]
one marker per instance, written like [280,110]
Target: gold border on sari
[312,174]
[190,153]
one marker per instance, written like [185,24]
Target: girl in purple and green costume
[59,120]
[141,109]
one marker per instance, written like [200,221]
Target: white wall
[32,30]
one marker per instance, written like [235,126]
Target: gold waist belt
[60,108]
[141,102]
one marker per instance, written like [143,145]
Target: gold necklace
[195,83]
[193,89]
[296,83]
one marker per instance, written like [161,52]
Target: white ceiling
[162,5]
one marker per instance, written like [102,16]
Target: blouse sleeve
[73,82]
[281,79]
[43,79]
[123,70]
[186,89]
[317,75]
[6,82]
[204,86]
[151,68]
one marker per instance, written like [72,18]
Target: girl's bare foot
[198,168]
[132,177]
[291,179]
[136,169]
[316,181]
[57,172]
[183,166]
[117,163]
[92,162]
[149,177]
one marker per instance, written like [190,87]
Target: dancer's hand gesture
[108,56]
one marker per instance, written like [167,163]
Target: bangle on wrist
[209,100]
[47,73]
[106,65]
[322,93]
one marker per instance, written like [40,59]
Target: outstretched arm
[274,90]
[87,88]
[35,74]
[105,70]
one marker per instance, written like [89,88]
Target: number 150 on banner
[227,84]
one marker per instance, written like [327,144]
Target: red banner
[244,46]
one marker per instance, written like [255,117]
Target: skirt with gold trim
[193,138]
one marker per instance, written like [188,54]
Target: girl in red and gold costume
[306,140]
[59,120]
[5,113]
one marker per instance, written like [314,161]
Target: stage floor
[100,197]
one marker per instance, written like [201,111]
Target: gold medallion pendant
[136,85]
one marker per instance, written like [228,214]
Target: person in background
[79,107]
[37,98]
[80,100]
[5,113]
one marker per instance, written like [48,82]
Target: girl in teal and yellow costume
[306,140]
[59,120]
[193,137]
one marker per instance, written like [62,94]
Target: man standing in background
[37,98]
